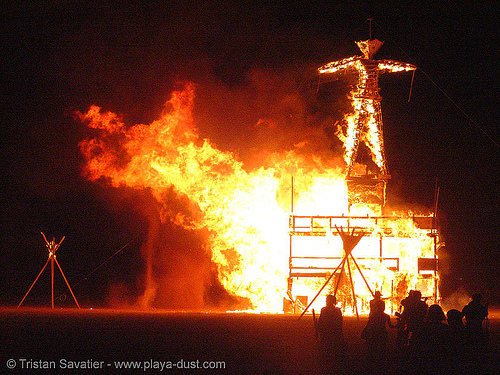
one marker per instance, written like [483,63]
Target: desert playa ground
[107,341]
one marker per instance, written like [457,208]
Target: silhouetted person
[418,313]
[375,332]
[412,318]
[432,343]
[377,303]
[455,319]
[459,351]
[402,336]
[475,313]
[332,343]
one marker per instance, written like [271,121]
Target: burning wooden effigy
[397,251]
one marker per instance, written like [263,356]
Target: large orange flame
[245,212]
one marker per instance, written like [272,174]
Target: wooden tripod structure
[349,242]
[52,246]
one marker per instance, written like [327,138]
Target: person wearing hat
[377,303]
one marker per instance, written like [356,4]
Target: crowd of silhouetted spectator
[427,340]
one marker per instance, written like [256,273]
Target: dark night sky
[64,56]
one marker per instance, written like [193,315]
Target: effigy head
[369,47]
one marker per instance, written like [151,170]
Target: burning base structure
[393,255]
[366,249]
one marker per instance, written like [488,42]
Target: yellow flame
[245,212]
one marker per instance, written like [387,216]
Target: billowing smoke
[271,111]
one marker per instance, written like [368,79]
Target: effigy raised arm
[341,65]
[391,66]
